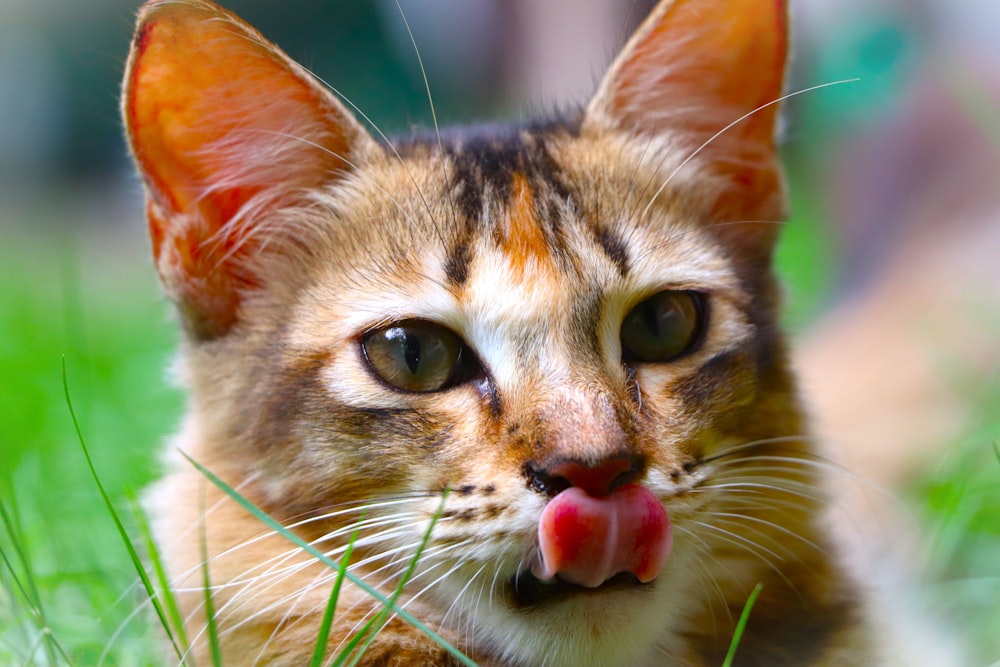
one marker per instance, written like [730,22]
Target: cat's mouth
[529,591]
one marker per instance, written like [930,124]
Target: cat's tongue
[588,540]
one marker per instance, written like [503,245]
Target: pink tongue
[587,540]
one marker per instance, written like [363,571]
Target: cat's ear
[225,129]
[709,74]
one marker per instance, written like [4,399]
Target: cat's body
[546,320]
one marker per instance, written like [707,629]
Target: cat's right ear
[707,75]
[225,129]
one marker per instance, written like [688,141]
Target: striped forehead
[508,192]
[512,197]
[524,262]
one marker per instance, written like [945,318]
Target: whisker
[239,600]
[764,442]
[273,564]
[819,462]
[376,502]
[760,485]
[728,223]
[455,567]
[493,583]
[423,73]
[382,135]
[708,142]
[283,624]
[702,547]
[749,544]
[779,476]
[752,548]
[362,506]
[740,521]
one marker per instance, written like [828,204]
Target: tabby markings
[523,240]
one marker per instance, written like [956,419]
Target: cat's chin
[527,590]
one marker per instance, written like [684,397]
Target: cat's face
[551,320]
[542,301]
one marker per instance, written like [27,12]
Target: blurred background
[896,189]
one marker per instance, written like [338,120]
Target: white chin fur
[616,628]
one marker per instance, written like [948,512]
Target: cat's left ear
[708,74]
[226,131]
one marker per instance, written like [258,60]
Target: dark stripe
[614,247]
[456,265]
[484,161]
[585,318]
[715,378]
[548,169]
[547,176]
[485,157]
[470,192]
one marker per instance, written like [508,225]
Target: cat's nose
[598,478]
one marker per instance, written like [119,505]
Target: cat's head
[556,320]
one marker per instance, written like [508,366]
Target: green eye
[663,327]
[419,356]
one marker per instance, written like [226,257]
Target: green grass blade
[319,652]
[742,624]
[133,554]
[215,648]
[271,523]
[29,589]
[10,587]
[372,628]
[345,653]
[29,659]
[160,570]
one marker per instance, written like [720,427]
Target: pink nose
[597,480]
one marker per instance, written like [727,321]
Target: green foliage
[76,583]
[130,549]
[960,503]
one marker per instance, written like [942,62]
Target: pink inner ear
[587,540]
[221,123]
[700,64]
[693,68]
[215,113]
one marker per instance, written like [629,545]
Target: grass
[127,543]
[76,572]
[960,506]
[68,585]
[741,624]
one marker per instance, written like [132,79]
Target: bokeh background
[909,153]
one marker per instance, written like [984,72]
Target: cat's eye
[419,356]
[663,327]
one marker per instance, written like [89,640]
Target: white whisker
[752,548]
[708,142]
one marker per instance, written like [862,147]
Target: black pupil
[652,314]
[411,350]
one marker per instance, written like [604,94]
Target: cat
[545,356]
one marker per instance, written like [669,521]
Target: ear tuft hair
[225,128]
[709,74]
